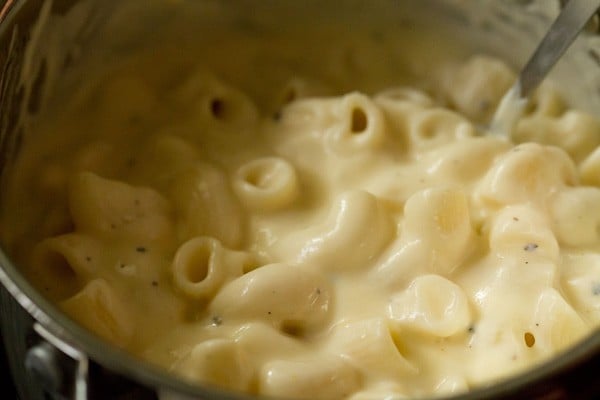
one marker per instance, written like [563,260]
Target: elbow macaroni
[202,265]
[345,247]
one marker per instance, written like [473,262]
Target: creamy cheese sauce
[293,218]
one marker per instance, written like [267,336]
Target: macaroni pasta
[353,246]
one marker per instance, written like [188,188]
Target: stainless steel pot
[51,356]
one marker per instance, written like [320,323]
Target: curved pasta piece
[299,88]
[528,173]
[355,231]
[304,123]
[98,308]
[451,384]
[557,324]
[161,159]
[464,161]
[504,355]
[266,184]
[368,345]
[580,278]
[434,127]
[360,124]
[523,229]
[383,390]
[326,377]
[589,169]
[64,263]
[349,127]
[262,342]
[202,265]
[575,215]
[205,206]
[478,85]
[436,237]
[559,131]
[213,101]
[289,297]
[117,210]
[546,101]
[218,362]
[309,115]
[506,299]
[432,305]
[578,145]
[399,105]
[403,97]
[520,306]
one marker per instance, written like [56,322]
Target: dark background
[6,384]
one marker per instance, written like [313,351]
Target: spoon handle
[563,31]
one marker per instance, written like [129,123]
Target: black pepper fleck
[154,283]
[530,247]
[88,258]
[216,320]
[140,249]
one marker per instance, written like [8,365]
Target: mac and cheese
[354,246]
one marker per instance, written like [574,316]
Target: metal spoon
[559,37]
